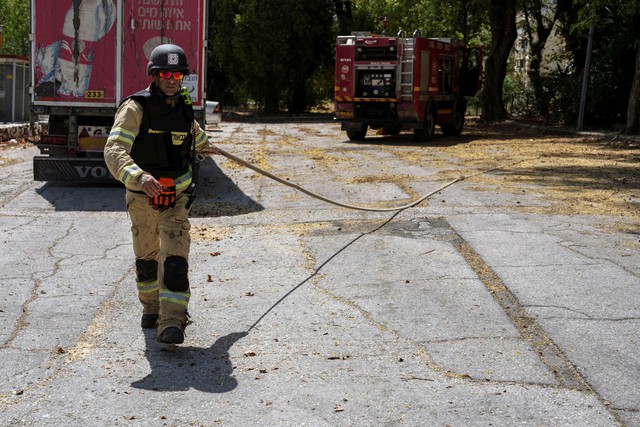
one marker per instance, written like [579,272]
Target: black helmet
[168,57]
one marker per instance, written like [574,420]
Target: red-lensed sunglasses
[177,75]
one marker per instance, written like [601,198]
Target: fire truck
[400,83]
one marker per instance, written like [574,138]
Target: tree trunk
[298,99]
[502,17]
[534,16]
[344,13]
[633,109]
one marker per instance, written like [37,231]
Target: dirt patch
[17,143]
[572,174]
[548,170]
[577,174]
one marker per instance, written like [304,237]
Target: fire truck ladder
[406,70]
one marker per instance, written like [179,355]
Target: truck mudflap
[74,170]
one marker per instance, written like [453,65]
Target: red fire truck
[399,83]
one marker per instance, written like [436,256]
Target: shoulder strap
[141,98]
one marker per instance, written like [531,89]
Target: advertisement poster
[75,51]
[148,23]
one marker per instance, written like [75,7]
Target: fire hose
[397,209]
[337,203]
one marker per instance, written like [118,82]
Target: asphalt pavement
[461,311]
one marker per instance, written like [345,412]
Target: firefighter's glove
[167,197]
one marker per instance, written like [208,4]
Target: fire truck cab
[399,83]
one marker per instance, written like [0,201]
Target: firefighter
[150,149]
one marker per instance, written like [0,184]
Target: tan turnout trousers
[156,236]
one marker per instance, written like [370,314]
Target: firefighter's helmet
[168,57]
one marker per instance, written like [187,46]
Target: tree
[502,20]
[344,15]
[222,20]
[540,18]
[311,43]
[613,94]
[633,108]
[461,19]
[14,17]
[276,52]
[270,49]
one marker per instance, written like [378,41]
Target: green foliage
[460,19]
[518,98]
[271,49]
[14,16]
[617,30]
[279,53]
[564,87]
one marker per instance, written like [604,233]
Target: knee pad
[147,270]
[176,274]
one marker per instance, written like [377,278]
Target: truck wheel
[430,124]
[457,121]
[357,135]
[428,132]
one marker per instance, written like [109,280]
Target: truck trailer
[399,83]
[88,55]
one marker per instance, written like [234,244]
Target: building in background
[14,89]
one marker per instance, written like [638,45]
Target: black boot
[149,321]
[171,335]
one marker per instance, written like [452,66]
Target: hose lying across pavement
[317,196]
[344,205]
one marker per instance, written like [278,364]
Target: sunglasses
[177,75]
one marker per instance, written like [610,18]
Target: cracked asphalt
[509,298]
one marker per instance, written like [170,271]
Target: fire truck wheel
[357,135]
[457,122]
[455,128]
[428,132]
[430,124]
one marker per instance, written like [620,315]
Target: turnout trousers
[161,243]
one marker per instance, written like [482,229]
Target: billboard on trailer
[96,51]
[149,23]
[74,53]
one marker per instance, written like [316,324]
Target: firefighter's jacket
[149,137]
